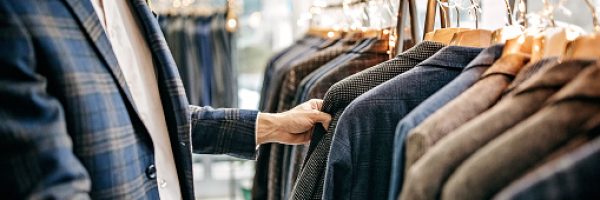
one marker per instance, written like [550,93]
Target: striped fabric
[69,127]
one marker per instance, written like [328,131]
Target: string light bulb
[232,24]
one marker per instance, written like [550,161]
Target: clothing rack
[193,9]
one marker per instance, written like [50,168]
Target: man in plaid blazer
[69,124]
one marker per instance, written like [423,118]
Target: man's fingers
[316,104]
[322,118]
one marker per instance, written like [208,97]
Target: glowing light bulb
[330,34]
[232,23]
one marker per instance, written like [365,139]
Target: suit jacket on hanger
[291,76]
[566,115]
[311,79]
[346,90]
[528,71]
[571,176]
[263,177]
[363,59]
[260,180]
[478,98]
[70,129]
[310,184]
[428,175]
[291,160]
[359,162]
[467,77]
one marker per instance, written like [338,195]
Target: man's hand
[293,126]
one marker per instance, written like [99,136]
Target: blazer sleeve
[37,159]
[224,131]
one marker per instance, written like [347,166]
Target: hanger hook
[366,19]
[509,13]
[457,15]
[594,15]
[477,10]
[444,5]
[522,7]
[550,9]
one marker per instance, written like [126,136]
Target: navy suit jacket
[69,127]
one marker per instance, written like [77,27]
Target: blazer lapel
[84,11]
[171,87]
[172,95]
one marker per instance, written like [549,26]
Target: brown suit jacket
[478,98]
[565,116]
[433,169]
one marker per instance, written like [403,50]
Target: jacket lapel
[84,11]
[172,94]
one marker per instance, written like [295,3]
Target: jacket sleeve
[224,131]
[37,160]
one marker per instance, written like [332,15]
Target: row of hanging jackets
[204,53]
[434,122]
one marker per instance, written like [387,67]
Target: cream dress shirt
[135,60]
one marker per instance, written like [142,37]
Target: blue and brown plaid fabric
[69,127]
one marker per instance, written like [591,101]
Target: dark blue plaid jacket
[68,126]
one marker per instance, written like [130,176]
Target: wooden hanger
[463,36]
[551,42]
[325,33]
[519,45]
[445,35]
[586,47]
[472,38]
[503,34]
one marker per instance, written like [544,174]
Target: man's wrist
[266,128]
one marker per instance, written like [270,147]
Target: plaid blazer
[69,126]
